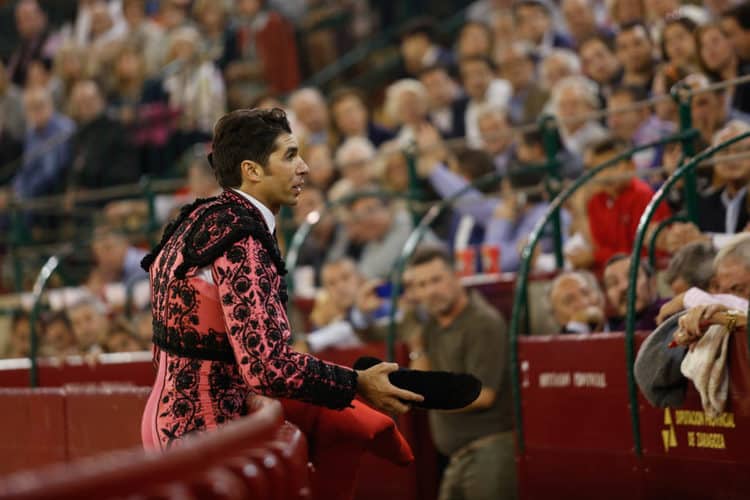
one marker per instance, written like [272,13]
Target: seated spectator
[600,64]
[496,135]
[580,19]
[636,126]
[708,109]
[47,151]
[691,266]
[635,51]
[12,125]
[355,159]
[121,337]
[614,209]
[57,338]
[678,41]
[145,35]
[311,207]
[212,22]
[88,317]
[474,39]
[516,63]
[721,211]
[36,40]
[534,24]
[117,261]
[419,49]
[309,108]
[577,303]
[102,155]
[393,168]
[18,345]
[735,22]
[351,118]
[557,65]
[481,86]
[322,170]
[616,281]
[442,91]
[406,105]
[665,78]
[374,235]
[627,11]
[260,54]
[572,100]
[719,60]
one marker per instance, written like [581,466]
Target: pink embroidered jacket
[219,343]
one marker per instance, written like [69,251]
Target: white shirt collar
[733,207]
[264,210]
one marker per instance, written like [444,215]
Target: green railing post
[635,260]
[682,95]
[552,183]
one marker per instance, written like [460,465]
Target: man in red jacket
[617,201]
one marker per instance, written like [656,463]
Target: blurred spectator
[720,62]
[573,100]
[145,35]
[406,103]
[211,16]
[374,235]
[309,106]
[474,39]
[516,63]
[691,266]
[624,12]
[580,19]
[126,94]
[647,306]
[393,169]
[35,40]
[465,334]
[614,208]
[442,92]
[577,303]
[557,65]
[57,336]
[102,155]
[635,124]
[735,23]
[708,107]
[355,159]
[600,63]
[122,338]
[678,41]
[322,170]
[72,63]
[18,345]
[116,260]
[313,251]
[635,51]
[481,86]
[260,54]
[12,123]
[534,24]
[497,136]
[419,49]
[47,151]
[340,281]
[351,117]
[88,317]
[194,86]
[665,78]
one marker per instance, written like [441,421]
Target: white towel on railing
[706,365]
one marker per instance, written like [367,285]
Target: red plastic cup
[466,259]
[490,259]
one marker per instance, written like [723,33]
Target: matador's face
[285,173]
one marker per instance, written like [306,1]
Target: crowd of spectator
[129,88]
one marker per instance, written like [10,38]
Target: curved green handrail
[42,279]
[635,257]
[520,292]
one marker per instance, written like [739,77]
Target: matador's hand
[374,386]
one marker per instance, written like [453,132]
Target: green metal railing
[683,171]
[521,291]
